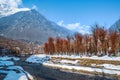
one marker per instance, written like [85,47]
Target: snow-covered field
[83,68]
[68,64]
[12,71]
[92,57]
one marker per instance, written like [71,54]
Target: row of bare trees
[100,42]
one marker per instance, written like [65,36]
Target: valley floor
[43,72]
[103,66]
[46,67]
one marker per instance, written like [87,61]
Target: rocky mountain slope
[30,26]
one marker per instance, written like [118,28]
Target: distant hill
[30,26]
[9,46]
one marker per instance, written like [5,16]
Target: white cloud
[11,3]
[76,27]
[73,25]
[8,7]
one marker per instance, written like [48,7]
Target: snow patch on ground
[69,61]
[13,72]
[108,66]
[5,58]
[6,63]
[41,58]
[103,58]
[12,75]
[66,56]
[92,57]
[16,73]
[9,58]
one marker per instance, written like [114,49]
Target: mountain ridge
[116,26]
[31,26]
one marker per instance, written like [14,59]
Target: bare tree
[95,32]
[86,43]
[102,38]
[113,37]
[51,45]
[69,43]
[78,43]
[58,45]
[64,46]
[46,49]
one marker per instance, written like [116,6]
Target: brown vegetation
[100,42]
[8,46]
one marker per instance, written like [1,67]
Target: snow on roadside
[41,58]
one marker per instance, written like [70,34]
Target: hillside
[30,26]
[9,46]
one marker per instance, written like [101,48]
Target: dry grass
[88,62]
